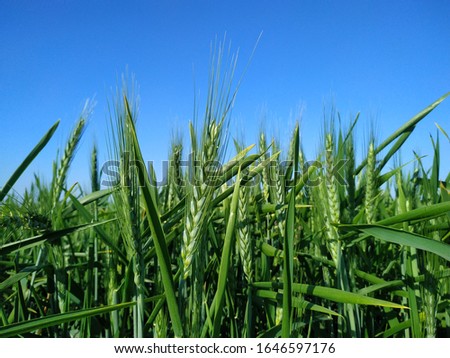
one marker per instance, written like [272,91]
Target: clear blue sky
[385,59]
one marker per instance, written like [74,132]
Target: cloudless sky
[385,59]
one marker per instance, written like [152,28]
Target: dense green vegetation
[266,244]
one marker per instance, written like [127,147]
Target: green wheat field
[263,242]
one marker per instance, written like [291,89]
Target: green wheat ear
[62,167]
[244,238]
[370,198]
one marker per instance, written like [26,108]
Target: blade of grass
[252,174]
[395,148]
[420,214]
[88,199]
[443,131]
[296,302]
[332,294]
[18,276]
[46,237]
[404,128]
[30,157]
[158,234]
[403,238]
[226,258]
[53,320]
[87,215]
[396,329]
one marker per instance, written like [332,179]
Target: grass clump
[266,244]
